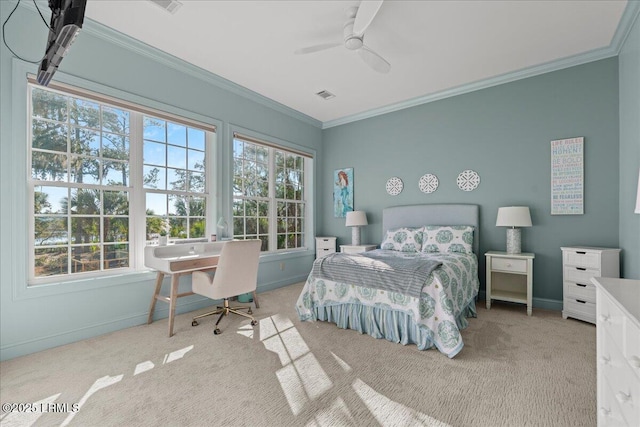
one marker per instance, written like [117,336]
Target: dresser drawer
[631,347]
[579,309]
[609,411]
[510,265]
[623,385]
[581,291]
[582,258]
[610,319]
[580,274]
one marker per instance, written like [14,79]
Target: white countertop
[625,292]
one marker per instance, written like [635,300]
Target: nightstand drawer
[320,252]
[583,291]
[582,258]
[325,242]
[580,274]
[509,264]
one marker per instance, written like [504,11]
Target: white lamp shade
[356,219]
[513,216]
[638,196]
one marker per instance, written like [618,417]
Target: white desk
[176,260]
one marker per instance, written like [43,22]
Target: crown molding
[629,16]
[139,48]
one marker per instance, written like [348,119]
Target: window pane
[51,261]
[116,256]
[49,136]
[177,205]
[154,129]
[51,230]
[197,206]
[48,166]
[115,173]
[238,227]
[85,258]
[49,105]
[196,227]
[85,230]
[116,229]
[176,134]
[156,204]
[155,226]
[196,160]
[176,157]
[115,202]
[196,138]
[178,228]
[115,120]
[85,113]
[177,179]
[155,177]
[84,169]
[84,141]
[154,153]
[47,200]
[85,201]
[115,146]
[196,182]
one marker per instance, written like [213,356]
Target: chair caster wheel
[254,323]
[217,331]
[194,323]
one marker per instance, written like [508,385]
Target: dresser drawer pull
[581,285]
[604,318]
[635,361]
[605,360]
[581,252]
[623,397]
[604,412]
[581,301]
[581,268]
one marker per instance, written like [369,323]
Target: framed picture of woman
[342,192]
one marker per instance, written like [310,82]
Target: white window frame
[307,199]
[137,193]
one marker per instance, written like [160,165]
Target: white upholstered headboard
[436,214]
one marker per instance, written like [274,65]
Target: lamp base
[355,236]
[514,241]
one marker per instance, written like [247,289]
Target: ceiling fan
[358,20]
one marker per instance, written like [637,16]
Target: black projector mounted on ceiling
[66,21]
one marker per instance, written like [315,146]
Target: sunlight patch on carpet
[390,413]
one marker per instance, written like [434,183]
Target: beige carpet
[513,371]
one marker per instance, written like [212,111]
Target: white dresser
[325,246]
[618,351]
[579,265]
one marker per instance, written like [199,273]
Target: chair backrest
[237,271]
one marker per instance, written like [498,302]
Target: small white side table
[354,249]
[510,278]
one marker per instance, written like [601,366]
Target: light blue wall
[630,151]
[46,316]
[504,134]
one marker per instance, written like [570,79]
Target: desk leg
[154,298]
[529,286]
[255,299]
[175,280]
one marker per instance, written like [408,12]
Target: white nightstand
[354,249]
[510,278]
[325,246]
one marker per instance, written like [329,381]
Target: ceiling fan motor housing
[351,41]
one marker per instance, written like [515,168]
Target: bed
[416,289]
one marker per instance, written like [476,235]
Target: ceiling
[433,46]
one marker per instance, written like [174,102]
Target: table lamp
[638,196]
[355,220]
[514,216]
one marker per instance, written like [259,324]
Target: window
[90,161]
[268,194]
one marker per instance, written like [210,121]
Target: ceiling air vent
[325,94]
[170,6]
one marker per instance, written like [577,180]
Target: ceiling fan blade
[366,12]
[316,48]
[374,60]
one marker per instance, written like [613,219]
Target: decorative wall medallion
[468,180]
[394,186]
[428,183]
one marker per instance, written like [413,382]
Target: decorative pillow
[448,238]
[403,239]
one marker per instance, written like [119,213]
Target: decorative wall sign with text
[567,176]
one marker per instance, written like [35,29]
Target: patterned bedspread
[432,319]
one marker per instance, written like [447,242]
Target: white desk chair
[236,274]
